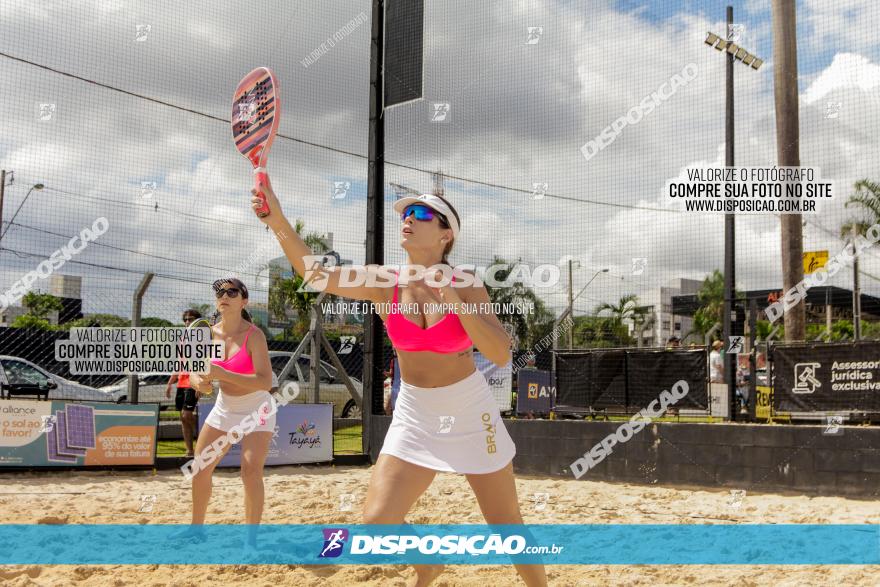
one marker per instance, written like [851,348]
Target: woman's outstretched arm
[359,282]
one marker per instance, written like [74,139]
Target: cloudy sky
[519,114]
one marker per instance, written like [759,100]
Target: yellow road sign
[814,260]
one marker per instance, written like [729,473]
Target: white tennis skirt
[256,409]
[454,428]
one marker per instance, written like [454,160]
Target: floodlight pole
[729,233]
[375,253]
[728,317]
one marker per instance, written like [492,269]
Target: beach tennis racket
[255,115]
[201,323]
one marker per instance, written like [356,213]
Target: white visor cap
[431,201]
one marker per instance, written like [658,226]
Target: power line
[123,249]
[133,271]
[326,147]
[168,210]
[164,103]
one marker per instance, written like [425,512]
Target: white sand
[311,495]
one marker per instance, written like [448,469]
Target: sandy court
[315,495]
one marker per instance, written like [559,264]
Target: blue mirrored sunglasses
[420,211]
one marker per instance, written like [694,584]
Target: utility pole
[570,307]
[785,86]
[857,294]
[2,191]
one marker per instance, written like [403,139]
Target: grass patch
[348,440]
[170,448]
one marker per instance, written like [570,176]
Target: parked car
[151,390]
[332,387]
[20,377]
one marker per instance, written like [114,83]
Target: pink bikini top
[446,336]
[241,361]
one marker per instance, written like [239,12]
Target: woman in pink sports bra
[445,418]
[243,412]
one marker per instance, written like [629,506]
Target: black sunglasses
[231,291]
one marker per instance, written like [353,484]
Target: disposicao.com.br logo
[430,544]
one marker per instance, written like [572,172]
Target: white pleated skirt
[231,410]
[455,428]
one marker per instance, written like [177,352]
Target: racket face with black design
[255,116]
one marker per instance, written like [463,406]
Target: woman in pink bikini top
[229,371]
[439,378]
[445,336]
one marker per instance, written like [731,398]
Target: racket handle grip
[261,180]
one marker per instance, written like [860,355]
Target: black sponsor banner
[591,379]
[629,379]
[826,377]
[650,372]
[534,392]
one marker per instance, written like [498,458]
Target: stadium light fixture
[738,52]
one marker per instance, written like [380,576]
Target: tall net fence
[553,130]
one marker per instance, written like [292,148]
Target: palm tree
[710,296]
[288,292]
[529,328]
[626,310]
[867,197]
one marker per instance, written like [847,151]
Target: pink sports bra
[241,361]
[446,336]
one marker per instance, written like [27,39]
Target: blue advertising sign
[535,392]
[75,434]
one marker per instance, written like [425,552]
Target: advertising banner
[303,434]
[827,377]
[60,433]
[500,381]
[535,392]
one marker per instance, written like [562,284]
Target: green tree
[871,330]
[284,292]
[31,321]
[206,310]
[710,296]
[763,328]
[842,330]
[152,322]
[599,332]
[530,327]
[866,198]
[627,309]
[40,305]
[95,320]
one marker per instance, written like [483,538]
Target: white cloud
[847,70]
[849,24]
